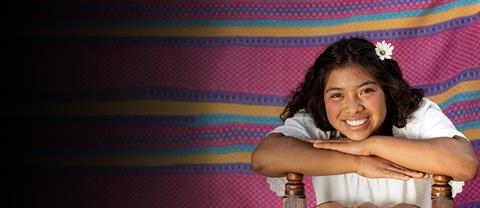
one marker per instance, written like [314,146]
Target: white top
[350,189]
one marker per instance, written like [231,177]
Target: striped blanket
[141,103]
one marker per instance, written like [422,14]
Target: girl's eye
[336,95]
[367,91]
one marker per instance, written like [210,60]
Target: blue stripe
[266,23]
[187,121]
[145,152]
[464,96]
[468,125]
[209,119]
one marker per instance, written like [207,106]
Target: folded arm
[277,155]
[443,155]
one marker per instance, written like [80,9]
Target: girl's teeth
[356,122]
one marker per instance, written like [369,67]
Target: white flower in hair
[384,50]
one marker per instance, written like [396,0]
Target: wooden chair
[295,192]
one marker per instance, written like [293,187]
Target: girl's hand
[344,145]
[376,167]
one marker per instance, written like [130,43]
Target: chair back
[295,192]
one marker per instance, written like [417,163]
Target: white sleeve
[435,123]
[277,185]
[457,187]
[301,126]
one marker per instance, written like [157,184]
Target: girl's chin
[355,137]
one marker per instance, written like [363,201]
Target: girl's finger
[410,173]
[398,166]
[404,169]
[396,175]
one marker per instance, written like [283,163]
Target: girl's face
[355,103]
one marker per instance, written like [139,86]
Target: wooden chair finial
[441,192]
[294,192]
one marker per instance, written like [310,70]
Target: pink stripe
[153,146]
[229,68]
[156,190]
[461,105]
[67,142]
[468,104]
[264,70]
[465,118]
[148,146]
[172,190]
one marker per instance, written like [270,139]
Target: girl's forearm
[278,155]
[447,156]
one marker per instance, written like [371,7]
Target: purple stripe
[437,88]
[185,168]
[475,144]
[206,96]
[265,41]
[469,205]
[156,93]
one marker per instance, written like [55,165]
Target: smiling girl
[357,127]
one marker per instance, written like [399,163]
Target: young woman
[357,127]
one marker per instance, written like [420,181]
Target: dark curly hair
[402,100]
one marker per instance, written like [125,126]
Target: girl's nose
[354,105]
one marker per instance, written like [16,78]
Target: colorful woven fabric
[141,103]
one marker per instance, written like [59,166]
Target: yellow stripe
[195,31]
[144,161]
[150,108]
[466,86]
[472,134]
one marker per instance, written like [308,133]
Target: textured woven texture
[141,103]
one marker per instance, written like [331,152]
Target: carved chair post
[294,192]
[441,192]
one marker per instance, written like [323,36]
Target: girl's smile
[356,123]
[355,103]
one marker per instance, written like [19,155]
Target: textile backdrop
[139,103]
